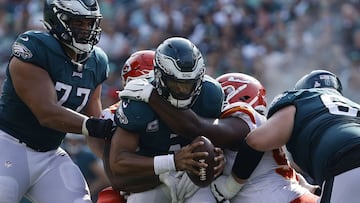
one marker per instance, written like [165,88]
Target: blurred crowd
[276,41]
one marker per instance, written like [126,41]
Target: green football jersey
[73,86]
[155,137]
[326,125]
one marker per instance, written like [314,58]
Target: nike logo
[124,104]
[24,38]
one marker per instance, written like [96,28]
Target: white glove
[171,181]
[186,188]
[137,89]
[225,188]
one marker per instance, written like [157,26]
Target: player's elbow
[47,117]
[121,165]
[46,121]
[255,143]
[118,167]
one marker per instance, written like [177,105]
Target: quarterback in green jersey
[144,149]
[53,86]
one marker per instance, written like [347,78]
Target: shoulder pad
[33,46]
[98,58]
[210,101]
[282,100]
[134,115]
[234,108]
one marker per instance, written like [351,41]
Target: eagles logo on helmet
[179,71]
[61,17]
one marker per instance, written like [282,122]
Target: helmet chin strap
[183,104]
[77,58]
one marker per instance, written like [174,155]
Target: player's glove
[225,188]
[171,181]
[99,128]
[137,89]
[186,188]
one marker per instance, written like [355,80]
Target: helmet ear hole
[244,98]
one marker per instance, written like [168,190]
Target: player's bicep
[124,140]
[123,143]
[33,85]
[275,132]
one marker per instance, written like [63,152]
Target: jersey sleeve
[282,100]
[133,116]
[26,48]
[245,112]
[103,62]
[210,101]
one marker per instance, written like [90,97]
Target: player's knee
[9,190]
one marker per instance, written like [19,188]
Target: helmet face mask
[180,89]
[239,87]
[179,71]
[75,23]
[319,79]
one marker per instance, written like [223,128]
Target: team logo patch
[121,115]
[21,51]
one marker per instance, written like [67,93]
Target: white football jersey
[273,180]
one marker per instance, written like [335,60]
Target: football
[207,174]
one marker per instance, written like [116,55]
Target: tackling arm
[225,132]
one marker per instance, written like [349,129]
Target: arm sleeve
[246,161]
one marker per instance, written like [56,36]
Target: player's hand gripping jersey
[323,113]
[155,137]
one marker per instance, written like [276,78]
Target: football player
[53,87]
[138,66]
[273,180]
[145,152]
[320,128]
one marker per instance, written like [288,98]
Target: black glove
[100,128]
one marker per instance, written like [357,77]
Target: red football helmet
[139,65]
[239,87]
[109,195]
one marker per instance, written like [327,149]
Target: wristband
[164,163]
[84,130]
[232,185]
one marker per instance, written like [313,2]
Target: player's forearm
[130,164]
[183,122]
[62,119]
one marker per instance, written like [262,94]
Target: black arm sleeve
[246,161]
